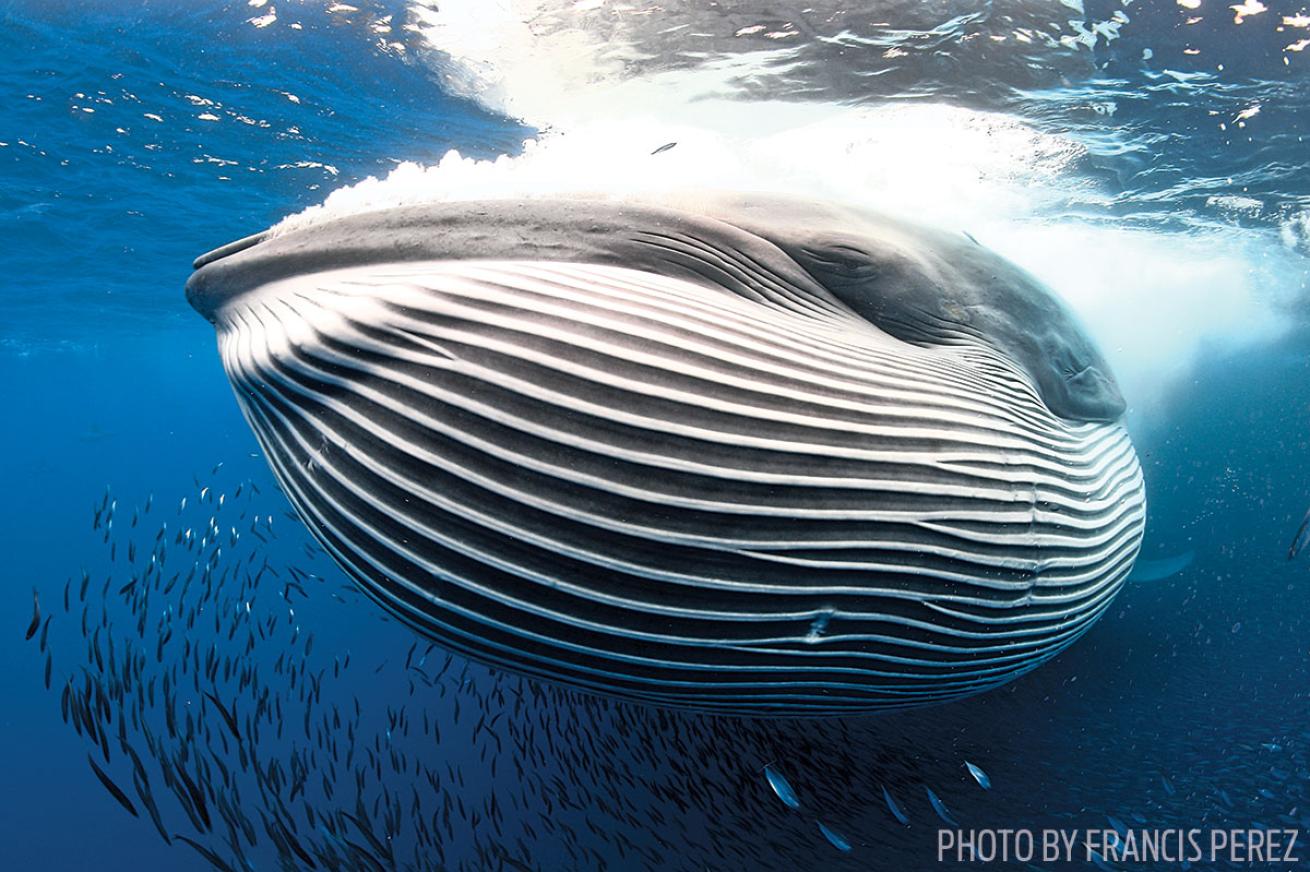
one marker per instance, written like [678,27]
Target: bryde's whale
[729,452]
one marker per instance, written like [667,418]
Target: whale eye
[1064,361]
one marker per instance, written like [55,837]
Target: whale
[730,452]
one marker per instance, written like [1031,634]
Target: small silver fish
[781,786]
[837,839]
[940,807]
[36,618]
[895,809]
[1301,538]
[978,775]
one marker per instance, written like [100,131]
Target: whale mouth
[207,295]
[231,248]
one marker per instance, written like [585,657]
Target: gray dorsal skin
[564,230]
[920,285]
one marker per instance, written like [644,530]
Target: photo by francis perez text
[1144,845]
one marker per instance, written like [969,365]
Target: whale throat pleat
[632,483]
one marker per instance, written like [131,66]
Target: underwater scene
[679,435]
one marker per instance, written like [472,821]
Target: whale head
[728,452]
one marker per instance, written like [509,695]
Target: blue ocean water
[135,136]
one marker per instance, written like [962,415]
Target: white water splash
[1154,299]
[953,164]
